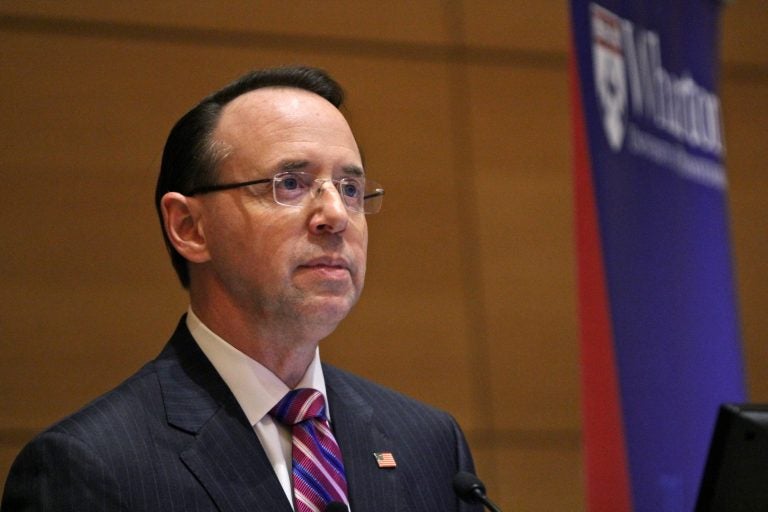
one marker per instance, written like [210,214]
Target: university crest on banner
[610,75]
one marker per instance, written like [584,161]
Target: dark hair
[190,157]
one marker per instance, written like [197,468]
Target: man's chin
[330,309]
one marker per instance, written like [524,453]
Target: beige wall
[462,110]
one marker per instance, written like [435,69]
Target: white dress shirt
[257,390]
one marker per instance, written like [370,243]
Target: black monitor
[736,474]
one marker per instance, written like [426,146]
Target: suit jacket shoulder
[171,437]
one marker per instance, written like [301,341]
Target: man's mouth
[329,266]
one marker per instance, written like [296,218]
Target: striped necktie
[318,471]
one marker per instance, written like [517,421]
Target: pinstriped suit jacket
[173,438]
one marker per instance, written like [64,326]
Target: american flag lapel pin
[385,460]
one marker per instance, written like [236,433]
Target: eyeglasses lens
[357,193]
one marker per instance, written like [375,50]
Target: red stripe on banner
[607,473]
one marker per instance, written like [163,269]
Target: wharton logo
[628,72]
[610,74]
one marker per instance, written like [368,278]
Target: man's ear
[181,218]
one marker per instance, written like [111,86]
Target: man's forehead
[270,110]
[277,100]
[276,123]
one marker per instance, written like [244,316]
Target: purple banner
[647,87]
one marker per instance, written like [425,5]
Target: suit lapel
[224,453]
[371,489]
[233,468]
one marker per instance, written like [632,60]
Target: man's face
[302,264]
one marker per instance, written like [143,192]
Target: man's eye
[350,189]
[290,183]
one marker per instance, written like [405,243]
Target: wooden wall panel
[522,171]
[745,105]
[537,476]
[744,41]
[517,24]
[329,21]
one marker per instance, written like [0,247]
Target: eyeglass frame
[207,189]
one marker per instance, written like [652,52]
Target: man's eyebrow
[292,165]
[299,165]
[354,170]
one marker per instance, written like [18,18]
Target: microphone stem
[490,505]
[480,495]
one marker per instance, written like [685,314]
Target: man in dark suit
[262,198]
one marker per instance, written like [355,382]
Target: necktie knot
[299,405]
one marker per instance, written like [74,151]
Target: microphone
[471,490]
[336,506]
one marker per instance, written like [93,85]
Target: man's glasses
[291,188]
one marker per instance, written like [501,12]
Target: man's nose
[330,214]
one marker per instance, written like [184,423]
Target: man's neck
[285,350]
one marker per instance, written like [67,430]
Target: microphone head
[468,487]
[336,506]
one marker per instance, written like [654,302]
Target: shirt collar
[255,387]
